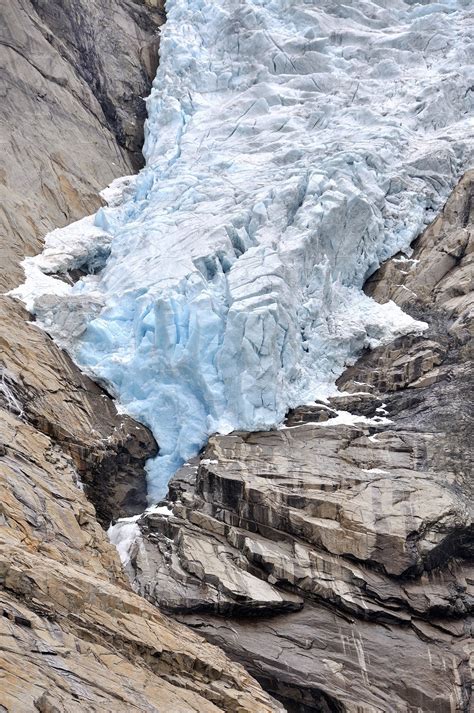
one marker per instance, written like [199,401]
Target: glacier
[290,148]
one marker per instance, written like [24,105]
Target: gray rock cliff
[332,558]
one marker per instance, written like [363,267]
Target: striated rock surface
[333,557]
[71,111]
[74,637]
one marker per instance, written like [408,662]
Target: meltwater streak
[291,146]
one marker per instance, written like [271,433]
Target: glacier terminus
[291,147]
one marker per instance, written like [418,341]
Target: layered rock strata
[74,636]
[333,557]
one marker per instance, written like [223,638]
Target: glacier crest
[290,148]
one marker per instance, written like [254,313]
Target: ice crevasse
[291,146]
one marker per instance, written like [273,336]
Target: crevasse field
[291,146]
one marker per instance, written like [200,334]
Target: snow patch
[343,418]
[123,535]
[159,510]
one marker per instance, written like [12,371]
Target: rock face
[74,637]
[40,384]
[71,114]
[330,557]
[59,148]
[333,557]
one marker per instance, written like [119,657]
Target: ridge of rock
[68,128]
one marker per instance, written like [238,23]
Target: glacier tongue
[291,146]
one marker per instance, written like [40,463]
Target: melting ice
[291,146]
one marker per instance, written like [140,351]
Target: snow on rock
[343,418]
[291,146]
[124,534]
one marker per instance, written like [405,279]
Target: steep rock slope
[346,535]
[40,385]
[71,115]
[59,150]
[73,635]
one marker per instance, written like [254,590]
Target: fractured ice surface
[291,146]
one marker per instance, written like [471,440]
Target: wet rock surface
[333,557]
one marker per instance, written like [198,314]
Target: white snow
[159,510]
[382,410]
[291,146]
[8,398]
[119,190]
[123,535]
[343,418]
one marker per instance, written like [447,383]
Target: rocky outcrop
[73,80]
[40,384]
[74,637]
[333,557]
[64,64]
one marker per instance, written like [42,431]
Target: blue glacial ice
[291,146]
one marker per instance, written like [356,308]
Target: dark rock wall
[113,47]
